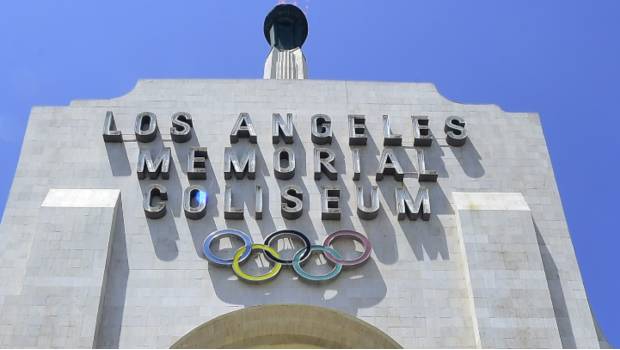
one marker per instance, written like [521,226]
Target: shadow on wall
[109,327]
[117,156]
[164,234]
[354,289]
[469,159]
[558,300]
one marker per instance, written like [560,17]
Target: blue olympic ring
[215,235]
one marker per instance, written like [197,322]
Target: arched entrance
[285,326]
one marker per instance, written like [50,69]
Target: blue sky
[561,59]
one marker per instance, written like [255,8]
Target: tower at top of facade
[286,29]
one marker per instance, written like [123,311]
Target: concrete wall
[416,287]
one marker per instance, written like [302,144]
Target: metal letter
[232,164]
[243,128]
[368,212]
[324,163]
[421,131]
[321,129]
[195,202]
[181,130]
[357,130]
[423,174]
[292,203]
[455,131]
[389,165]
[356,165]
[157,210]
[330,204]
[231,212]
[146,127]
[389,138]
[197,163]
[110,134]
[161,165]
[407,207]
[284,163]
[280,128]
[258,203]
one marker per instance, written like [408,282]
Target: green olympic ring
[316,278]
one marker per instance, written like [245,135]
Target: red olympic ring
[356,236]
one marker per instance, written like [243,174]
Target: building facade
[459,239]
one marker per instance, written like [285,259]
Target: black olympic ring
[274,235]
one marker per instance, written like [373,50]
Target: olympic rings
[301,255]
[256,278]
[316,278]
[356,236]
[206,246]
[274,235]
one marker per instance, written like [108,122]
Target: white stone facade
[487,270]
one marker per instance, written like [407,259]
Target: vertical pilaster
[59,300]
[508,293]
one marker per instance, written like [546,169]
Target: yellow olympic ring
[259,278]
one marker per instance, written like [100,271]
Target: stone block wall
[130,281]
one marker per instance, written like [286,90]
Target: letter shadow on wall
[117,156]
[267,224]
[428,238]
[433,158]
[199,229]
[469,159]
[558,301]
[163,231]
[378,230]
[182,150]
[303,222]
[107,334]
[345,210]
